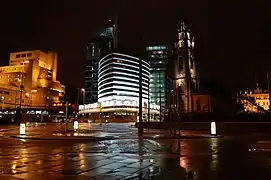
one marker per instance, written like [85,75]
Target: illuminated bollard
[22,129]
[213,128]
[75,125]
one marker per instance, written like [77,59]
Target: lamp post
[15,102]
[66,116]
[100,108]
[84,95]
[140,128]
[77,98]
[22,115]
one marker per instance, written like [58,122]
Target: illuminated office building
[99,46]
[35,74]
[158,57]
[118,88]
[119,78]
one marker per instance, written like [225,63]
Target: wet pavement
[129,157]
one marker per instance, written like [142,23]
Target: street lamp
[100,108]
[84,93]
[78,94]
[22,118]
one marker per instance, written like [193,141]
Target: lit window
[93,50]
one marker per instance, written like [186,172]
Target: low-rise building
[30,80]
[254,101]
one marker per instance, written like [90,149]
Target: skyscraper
[100,45]
[158,57]
[185,77]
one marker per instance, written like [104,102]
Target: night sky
[233,38]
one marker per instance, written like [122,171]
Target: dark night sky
[229,34]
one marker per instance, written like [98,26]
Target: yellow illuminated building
[255,101]
[35,73]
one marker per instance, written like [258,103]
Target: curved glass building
[118,90]
[118,80]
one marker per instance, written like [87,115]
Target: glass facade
[157,88]
[97,48]
[158,60]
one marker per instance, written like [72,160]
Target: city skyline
[217,30]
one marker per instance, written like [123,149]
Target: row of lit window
[23,55]
[157,85]
[60,104]
[10,76]
[152,48]
[263,103]
[8,69]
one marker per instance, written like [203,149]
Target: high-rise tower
[103,43]
[158,57]
[185,80]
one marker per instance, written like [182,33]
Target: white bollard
[22,128]
[213,128]
[75,125]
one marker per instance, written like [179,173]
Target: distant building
[35,74]
[254,101]
[100,45]
[158,57]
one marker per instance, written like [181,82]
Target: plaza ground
[125,155]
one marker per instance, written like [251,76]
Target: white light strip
[101,66]
[127,60]
[131,57]
[104,59]
[126,69]
[126,74]
[121,92]
[122,88]
[121,78]
[120,82]
[105,95]
[123,64]
[130,88]
[120,98]
[145,68]
[126,56]
[99,78]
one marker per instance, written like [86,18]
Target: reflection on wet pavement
[135,158]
